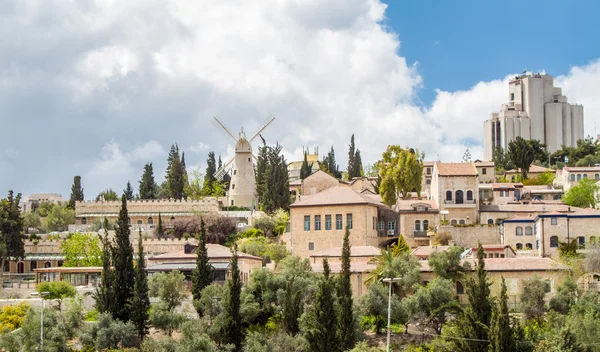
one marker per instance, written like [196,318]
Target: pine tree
[358,168]
[330,166]
[276,195]
[124,276]
[103,295]
[159,229]
[306,168]
[128,192]
[233,327]
[226,178]
[11,227]
[203,274]
[323,337]
[501,332]
[209,177]
[76,192]
[351,156]
[148,188]
[346,316]
[141,301]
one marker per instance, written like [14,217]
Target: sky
[99,88]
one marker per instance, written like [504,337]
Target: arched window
[83,221]
[150,221]
[581,241]
[425,225]
[585,176]
[459,288]
[528,231]
[20,267]
[578,177]
[172,219]
[448,195]
[453,222]
[490,221]
[554,242]
[459,197]
[47,265]
[519,246]
[469,195]
[519,231]
[417,225]
[528,246]
[461,221]
[59,263]
[140,222]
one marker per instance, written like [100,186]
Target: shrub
[11,317]
[108,333]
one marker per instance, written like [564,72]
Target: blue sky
[459,43]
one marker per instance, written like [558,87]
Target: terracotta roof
[426,251]
[355,251]
[407,204]
[483,163]
[493,247]
[215,251]
[339,195]
[429,163]
[456,169]
[512,264]
[533,169]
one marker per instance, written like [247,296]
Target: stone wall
[208,204]
[470,236]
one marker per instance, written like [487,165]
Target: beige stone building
[427,175]
[454,187]
[569,176]
[486,171]
[295,166]
[416,218]
[318,222]
[534,171]
[30,203]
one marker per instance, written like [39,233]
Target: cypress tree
[501,332]
[322,337]
[124,276]
[351,155]
[184,176]
[128,192]
[306,168]
[226,178]
[11,227]
[277,193]
[141,301]
[331,165]
[148,188]
[175,177]
[292,308]
[103,294]
[209,177]
[159,229]
[233,327]
[260,172]
[76,192]
[203,274]
[358,168]
[346,316]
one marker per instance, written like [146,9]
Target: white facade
[242,185]
[536,110]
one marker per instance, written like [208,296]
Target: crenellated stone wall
[208,204]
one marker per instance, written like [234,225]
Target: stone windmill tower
[242,187]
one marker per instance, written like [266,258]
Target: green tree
[583,194]
[466,156]
[128,191]
[323,333]
[103,294]
[401,173]
[124,275]
[501,159]
[521,154]
[57,290]
[148,188]
[108,334]
[330,166]
[501,332]
[374,304]
[108,195]
[233,319]
[431,303]
[566,296]
[59,218]
[209,178]
[11,228]
[159,228]
[12,316]
[175,175]
[169,288]
[540,151]
[194,189]
[31,221]
[306,168]
[273,184]
[389,265]
[81,249]
[292,308]
[141,301]
[532,298]
[203,274]
[76,192]
[448,264]
[400,247]
[344,293]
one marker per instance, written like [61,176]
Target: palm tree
[393,264]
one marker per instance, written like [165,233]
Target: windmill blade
[223,170]
[262,129]
[222,127]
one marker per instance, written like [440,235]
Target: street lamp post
[390,280]
[42,294]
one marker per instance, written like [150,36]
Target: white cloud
[199,147]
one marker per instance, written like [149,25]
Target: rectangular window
[512,96]
[338,222]
[391,225]
[307,223]
[317,222]
[381,225]
[311,246]
[484,171]
[349,221]
[553,221]
[327,222]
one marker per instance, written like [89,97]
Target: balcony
[465,203]
[419,233]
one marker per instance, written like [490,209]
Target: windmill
[242,189]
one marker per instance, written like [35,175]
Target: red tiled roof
[339,195]
[407,204]
[456,169]
[533,169]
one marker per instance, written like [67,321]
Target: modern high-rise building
[536,110]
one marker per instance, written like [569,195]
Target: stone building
[569,176]
[416,216]
[295,166]
[534,171]
[318,222]
[454,188]
[486,171]
[30,203]
[536,110]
